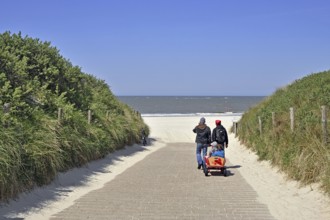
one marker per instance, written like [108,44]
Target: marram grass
[301,154]
[35,145]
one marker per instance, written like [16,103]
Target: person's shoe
[199,166]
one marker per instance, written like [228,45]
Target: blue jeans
[201,149]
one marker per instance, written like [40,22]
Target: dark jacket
[214,134]
[203,134]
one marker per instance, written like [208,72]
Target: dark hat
[202,120]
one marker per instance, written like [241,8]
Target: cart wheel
[205,169]
[225,172]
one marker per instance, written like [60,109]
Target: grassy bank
[35,143]
[301,153]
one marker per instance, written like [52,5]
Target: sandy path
[284,199]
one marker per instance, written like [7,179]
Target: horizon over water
[190,105]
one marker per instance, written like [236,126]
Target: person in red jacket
[219,134]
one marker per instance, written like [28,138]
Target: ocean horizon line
[192,105]
[224,114]
[191,95]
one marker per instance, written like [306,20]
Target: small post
[59,115]
[292,118]
[235,128]
[89,116]
[260,125]
[6,108]
[324,124]
[273,120]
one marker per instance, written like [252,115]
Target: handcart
[214,163]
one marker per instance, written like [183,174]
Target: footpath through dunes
[167,185]
[284,198]
[161,181]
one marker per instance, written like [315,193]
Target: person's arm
[213,135]
[209,136]
[226,138]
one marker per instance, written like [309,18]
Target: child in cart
[215,159]
[216,150]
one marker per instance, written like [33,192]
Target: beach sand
[284,198]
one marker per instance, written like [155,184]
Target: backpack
[220,135]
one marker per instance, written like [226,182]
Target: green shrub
[35,81]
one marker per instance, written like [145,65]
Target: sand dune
[285,199]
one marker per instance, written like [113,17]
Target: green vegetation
[301,154]
[35,81]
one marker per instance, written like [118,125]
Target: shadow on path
[233,167]
[65,182]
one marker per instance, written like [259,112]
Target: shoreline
[221,114]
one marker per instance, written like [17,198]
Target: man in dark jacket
[219,134]
[203,139]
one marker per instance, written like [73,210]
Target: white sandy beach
[285,199]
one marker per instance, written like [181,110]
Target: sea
[190,105]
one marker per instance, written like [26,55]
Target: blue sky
[182,47]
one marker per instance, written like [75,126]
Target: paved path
[167,185]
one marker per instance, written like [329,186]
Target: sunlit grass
[36,142]
[302,153]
